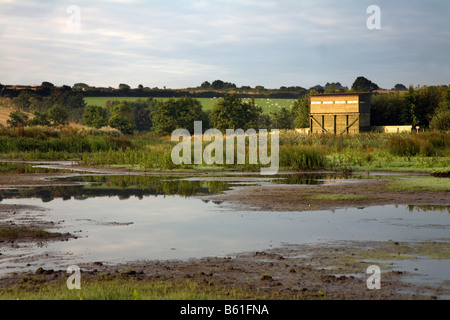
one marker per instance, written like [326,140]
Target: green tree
[70,100]
[80,86]
[206,85]
[282,119]
[420,104]
[124,110]
[35,103]
[58,115]
[386,109]
[143,113]
[95,116]
[441,117]
[400,87]
[122,124]
[22,101]
[73,103]
[264,121]
[40,119]
[142,119]
[178,113]
[231,112]
[362,84]
[441,120]
[124,87]
[17,118]
[218,84]
[47,84]
[300,110]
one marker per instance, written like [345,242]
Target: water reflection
[123,187]
[428,207]
[126,186]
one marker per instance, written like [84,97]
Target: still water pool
[151,220]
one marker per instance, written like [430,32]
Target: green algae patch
[420,184]
[353,260]
[388,251]
[434,250]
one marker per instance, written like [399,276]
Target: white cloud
[181,43]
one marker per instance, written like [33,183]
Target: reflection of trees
[122,186]
[307,178]
[428,207]
[216,186]
[126,186]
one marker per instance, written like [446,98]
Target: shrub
[441,120]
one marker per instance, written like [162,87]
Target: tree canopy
[282,119]
[95,116]
[231,112]
[362,84]
[178,113]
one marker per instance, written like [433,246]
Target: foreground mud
[329,271]
[348,193]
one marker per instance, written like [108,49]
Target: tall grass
[50,140]
[369,151]
[302,157]
[426,144]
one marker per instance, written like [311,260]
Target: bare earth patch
[353,193]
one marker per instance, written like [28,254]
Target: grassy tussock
[16,232]
[123,289]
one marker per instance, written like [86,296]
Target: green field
[267,105]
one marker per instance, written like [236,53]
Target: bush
[122,124]
[441,120]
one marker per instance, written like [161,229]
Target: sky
[182,43]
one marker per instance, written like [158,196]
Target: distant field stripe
[267,105]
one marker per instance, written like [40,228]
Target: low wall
[391,129]
[380,129]
[304,131]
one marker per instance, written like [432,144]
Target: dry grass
[4,114]
[6,108]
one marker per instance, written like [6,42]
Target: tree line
[159,116]
[162,117]
[423,106]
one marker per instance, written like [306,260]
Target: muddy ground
[325,271]
[366,192]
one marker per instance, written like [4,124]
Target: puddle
[424,271]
